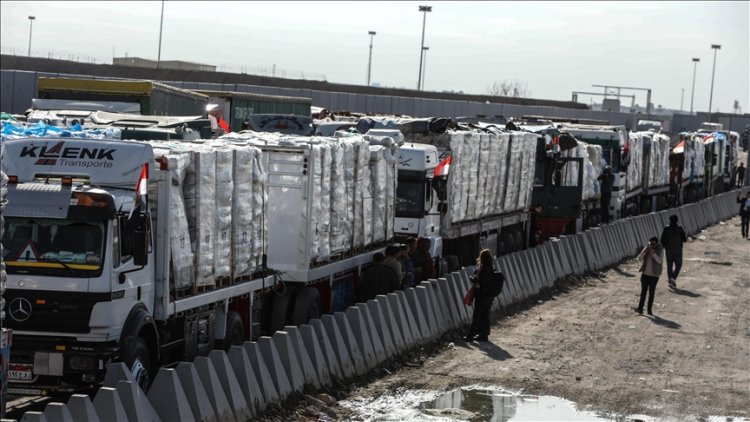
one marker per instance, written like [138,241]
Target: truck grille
[45,310]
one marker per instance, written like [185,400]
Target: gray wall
[19,87]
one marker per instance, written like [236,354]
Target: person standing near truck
[744,213]
[741,175]
[607,180]
[672,237]
[652,256]
[480,321]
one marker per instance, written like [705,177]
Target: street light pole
[423,9]
[369,62]
[682,97]
[31,25]
[161,25]
[715,47]
[692,95]
[424,66]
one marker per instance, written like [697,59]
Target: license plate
[20,372]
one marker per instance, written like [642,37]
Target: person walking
[607,180]
[652,256]
[672,238]
[744,213]
[480,320]
[741,175]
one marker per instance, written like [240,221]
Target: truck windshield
[53,247]
[410,199]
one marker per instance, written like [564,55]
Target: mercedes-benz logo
[20,309]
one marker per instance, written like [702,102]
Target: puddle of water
[473,404]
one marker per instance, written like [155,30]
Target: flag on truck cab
[443,168]
[224,125]
[141,190]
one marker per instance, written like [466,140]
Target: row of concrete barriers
[239,385]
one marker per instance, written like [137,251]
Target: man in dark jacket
[744,213]
[377,279]
[672,238]
[607,180]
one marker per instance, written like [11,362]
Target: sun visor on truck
[37,200]
[104,163]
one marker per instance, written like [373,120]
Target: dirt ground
[586,343]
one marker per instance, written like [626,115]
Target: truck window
[410,199]
[53,247]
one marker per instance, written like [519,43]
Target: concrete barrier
[165,395]
[273,362]
[323,365]
[450,302]
[439,306]
[136,404]
[457,288]
[195,393]
[81,408]
[57,412]
[303,357]
[392,318]
[107,405]
[428,308]
[361,336]
[214,391]
[246,379]
[371,333]
[33,417]
[117,372]
[381,328]
[360,360]
[267,385]
[403,320]
[230,385]
[337,356]
[418,313]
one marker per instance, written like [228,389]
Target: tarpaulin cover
[15,130]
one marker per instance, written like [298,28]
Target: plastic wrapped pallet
[365,184]
[200,205]
[528,142]
[493,169]
[635,168]
[459,178]
[324,218]
[379,184]
[483,174]
[503,149]
[661,173]
[247,211]
[595,159]
[223,229]
[472,143]
[514,175]
[340,192]
[350,180]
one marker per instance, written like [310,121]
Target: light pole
[31,25]
[161,24]
[692,95]
[682,97]
[715,47]
[424,9]
[424,66]
[369,62]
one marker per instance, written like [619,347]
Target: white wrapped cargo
[223,228]
[248,222]
[503,141]
[635,166]
[660,167]
[483,172]
[340,194]
[200,205]
[492,173]
[514,175]
[595,159]
[379,185]
[472,143]
[528,143]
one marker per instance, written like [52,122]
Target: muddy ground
[584,342]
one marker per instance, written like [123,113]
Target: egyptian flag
[223,124]
[141,191]
[444,167]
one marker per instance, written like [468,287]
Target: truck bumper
[46,366]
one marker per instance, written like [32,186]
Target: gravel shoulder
[586,343]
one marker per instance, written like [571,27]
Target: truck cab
[416,199]
[78,262]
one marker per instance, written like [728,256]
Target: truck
[237,107]
[219,242]
[686,169]
[152,97]
[465,190]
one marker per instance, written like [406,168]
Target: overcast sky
[553,47]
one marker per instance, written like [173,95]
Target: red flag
[443,168]
[224,125]
[141,190]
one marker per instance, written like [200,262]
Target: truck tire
[134,352]
[306,306]
[280,311]
[235,331]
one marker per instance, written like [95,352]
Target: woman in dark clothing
[480,322]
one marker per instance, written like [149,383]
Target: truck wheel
[306,306]
[280,311]
[235,331]
[135,354]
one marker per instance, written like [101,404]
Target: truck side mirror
[140,242]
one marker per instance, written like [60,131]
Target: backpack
[497,280]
